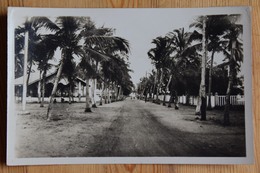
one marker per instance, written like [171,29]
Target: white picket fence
[217,100]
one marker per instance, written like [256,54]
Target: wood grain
[255,168]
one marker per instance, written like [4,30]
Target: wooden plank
[255,168]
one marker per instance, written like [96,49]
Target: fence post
[213,103]
[216,99]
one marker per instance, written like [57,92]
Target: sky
[137,26]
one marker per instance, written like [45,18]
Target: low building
[34,83]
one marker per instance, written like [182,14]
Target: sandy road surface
[137,131]
[126,128]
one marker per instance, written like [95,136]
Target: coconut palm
[166,82]
[19,56]
[214,46]
[201,23]
[211,28]
[89,72]
[113,73]
[101,44]
[159,55]
[234,56]
[45,49]
[184,59]
[121,77]
[69,71]
[68,40]
[151,84]
[69,37]
[31,38]
[216,26]
[142,87]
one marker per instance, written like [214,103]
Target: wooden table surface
[255,4]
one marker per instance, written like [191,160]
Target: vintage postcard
[153,86]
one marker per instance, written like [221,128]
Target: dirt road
[126,128]
[137,130]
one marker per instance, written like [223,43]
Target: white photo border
[14,12]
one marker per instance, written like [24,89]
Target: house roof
[35,77]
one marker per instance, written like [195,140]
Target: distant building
[63,86]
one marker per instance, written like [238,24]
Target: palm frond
[98,55]
[38,22]
[117,43]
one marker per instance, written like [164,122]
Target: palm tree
[234,55]
[183,60]
[31,38]
[121,76]
[90,31]
[19,56]
[68,40]
[89,72]
[217,25]
[202,92]
[46,49]
[153,81]
[151,84]
[212,27]
[142,87]
[201,23]
[69,71]
[101,45]
[214,46]
[69,35]
[159,55]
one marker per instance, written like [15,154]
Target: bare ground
[127,128]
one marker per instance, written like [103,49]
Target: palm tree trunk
[176,100]
[70,92]
[187,98]
[150,92]
[227,106]
[159,86]
[170,100]
[102,93]
[119,93]
[57,79]
[105,93]
[164,98]
[108,94]
[93,92]
[210,80]
[43,87]
[39,87]
[94,105]
[197,112]
[79,91]
[166,90]
[157,81]
[203,72]
[29,72]
[230,84]
[26,40]
[88,99]
[154,86]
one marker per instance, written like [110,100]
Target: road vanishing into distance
[137,130]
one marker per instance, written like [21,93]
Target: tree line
[183,65]
[102,56]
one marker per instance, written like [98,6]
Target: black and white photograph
[129,86]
